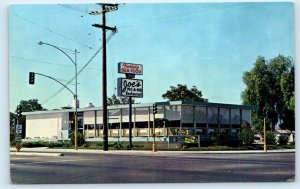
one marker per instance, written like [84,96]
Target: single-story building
[177,118]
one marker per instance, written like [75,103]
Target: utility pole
[105,8]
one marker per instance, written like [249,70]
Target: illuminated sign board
[130,87]
[129,68]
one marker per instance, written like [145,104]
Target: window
[142,124]
[88,126]
[189,125]
[174,123]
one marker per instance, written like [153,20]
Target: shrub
[219,138]
[270,137]
[247,136]
[34,144]
[80,139]
[55,144]
[225,139]
[67,144]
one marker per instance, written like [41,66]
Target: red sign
[129,68]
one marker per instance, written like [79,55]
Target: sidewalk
[59,152]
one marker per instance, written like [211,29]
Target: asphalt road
[152,168]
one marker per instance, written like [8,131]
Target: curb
[36,154]
[61,151]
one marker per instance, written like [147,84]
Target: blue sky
[208,45]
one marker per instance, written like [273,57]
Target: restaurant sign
[129,68]
[130,87]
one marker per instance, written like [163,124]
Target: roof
[167,103]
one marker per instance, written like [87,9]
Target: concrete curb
[135,152]
[35,154]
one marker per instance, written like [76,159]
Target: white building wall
[47,125]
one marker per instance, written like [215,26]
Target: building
[176,118]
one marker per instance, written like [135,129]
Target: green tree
[30,105]
[114,100]
[181,92]
[26,106]
[270,84]
[247,134]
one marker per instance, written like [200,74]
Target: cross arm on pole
[114,29]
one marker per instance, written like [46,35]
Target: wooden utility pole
[105,8]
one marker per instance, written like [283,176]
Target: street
[149,167]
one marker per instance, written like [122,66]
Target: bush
[247,136]
[219,139]
[34,144]
[270,137]
[224,139]
[67,144]
[55,144]
[80,139]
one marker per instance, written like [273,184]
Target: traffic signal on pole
[19,111]
[154,108]
[262,110]
[31,78]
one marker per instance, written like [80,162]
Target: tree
[26,106]
[270,84]
[114,100]
[181,92]
[31,105]
[247,134]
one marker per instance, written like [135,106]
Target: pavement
[45,151]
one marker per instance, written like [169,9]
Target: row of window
[171,124]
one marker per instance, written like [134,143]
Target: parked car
[258,139]
[281,138]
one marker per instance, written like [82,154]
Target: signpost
[129,87]
[18,137]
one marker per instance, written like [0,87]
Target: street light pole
[76,101]
[75,96]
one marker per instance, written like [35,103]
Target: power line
[71,80]
[43,62]
[56,33]
[183,16]
[73,8]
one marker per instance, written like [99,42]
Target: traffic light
[154,108]
[13,122]
[19,111]
[262,110]
[31,78]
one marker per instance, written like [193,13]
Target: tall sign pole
[130,122]
[130,87]
[105,8]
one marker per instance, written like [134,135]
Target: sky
[207,45]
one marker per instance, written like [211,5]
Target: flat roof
[167,103]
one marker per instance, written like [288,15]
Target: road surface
[92,168]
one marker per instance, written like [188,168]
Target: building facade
[176,118]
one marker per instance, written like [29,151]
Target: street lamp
[75,96]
